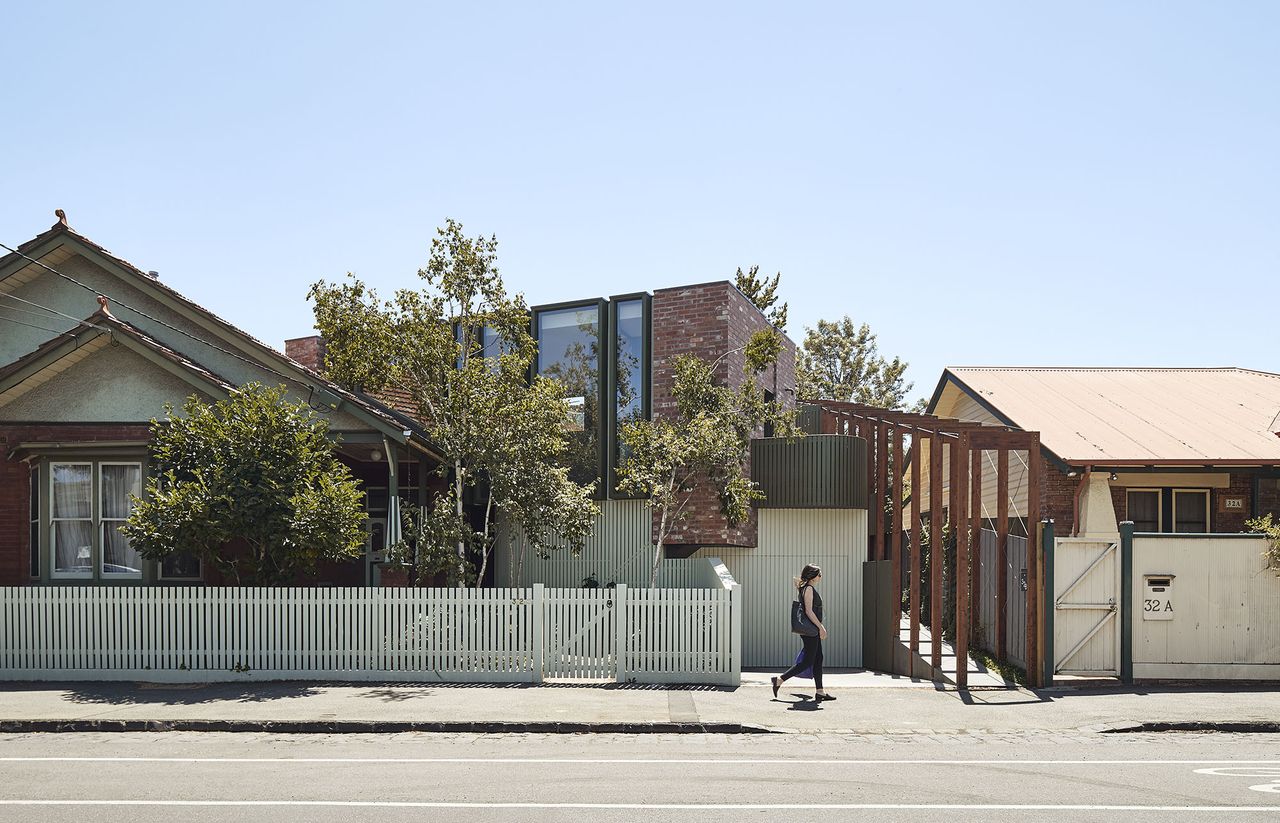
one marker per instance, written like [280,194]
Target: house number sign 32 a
[1157,601]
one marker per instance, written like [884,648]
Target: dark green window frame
[603,356]
[646,378]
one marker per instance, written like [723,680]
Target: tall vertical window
[118,484]
[71,519]
[629,377]
[35,521]
[569,351]
[632,387]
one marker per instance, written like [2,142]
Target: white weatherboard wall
[1226,609]
[835,539]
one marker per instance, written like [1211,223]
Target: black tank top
[817,600]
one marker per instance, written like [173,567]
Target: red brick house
[1174,450]
[91,349]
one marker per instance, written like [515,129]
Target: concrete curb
[375,727]
[1234,726]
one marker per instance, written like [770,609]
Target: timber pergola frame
[964,444]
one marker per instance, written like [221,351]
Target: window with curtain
[71,519]
[118,484]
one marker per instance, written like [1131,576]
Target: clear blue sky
[984,183]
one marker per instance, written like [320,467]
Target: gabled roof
[1131,416]
[101,327]
[378,414]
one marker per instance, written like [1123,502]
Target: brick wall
[309,351]
[1269,497]
[15,484]
[1231,521]
[1057,497]
[713,321]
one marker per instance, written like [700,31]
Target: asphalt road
[206,777]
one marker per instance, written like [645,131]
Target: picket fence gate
[203,634]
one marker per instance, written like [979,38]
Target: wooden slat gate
[1086,592]
[580,638]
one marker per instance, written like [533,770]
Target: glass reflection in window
[569,351]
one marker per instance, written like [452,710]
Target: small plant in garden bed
[1003,668]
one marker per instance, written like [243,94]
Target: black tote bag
[800,622]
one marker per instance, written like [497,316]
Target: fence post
[622,631]
[1126,601]
[1049,603]
[539,643]
[735,633]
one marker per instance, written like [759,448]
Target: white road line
[640,761]
[427,804]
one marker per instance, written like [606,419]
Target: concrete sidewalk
[887,706]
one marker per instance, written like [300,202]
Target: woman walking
[811,605]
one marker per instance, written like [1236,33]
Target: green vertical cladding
[809,419]
[1049,602]
[821,471]
[1126,601]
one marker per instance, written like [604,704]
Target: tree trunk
[484,549]
[457,501]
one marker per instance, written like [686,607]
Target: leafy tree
[706,441]
[1267,525]
[764,293]
[253,467]
[503,436]
[841,361]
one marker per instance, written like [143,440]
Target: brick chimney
[309,351]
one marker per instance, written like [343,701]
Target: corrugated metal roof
[1095,415]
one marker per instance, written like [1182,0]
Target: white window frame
[54,574]
[1208,513]
[103,521]
[1159,493]
[35,549]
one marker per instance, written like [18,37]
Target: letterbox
[1157,597]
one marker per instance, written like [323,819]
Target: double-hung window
[88,502]
[118,484]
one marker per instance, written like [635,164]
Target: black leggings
[812,655]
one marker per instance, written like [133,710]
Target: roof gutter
[1190,464]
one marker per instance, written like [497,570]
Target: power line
[51,311]
[34,326]
[141,313]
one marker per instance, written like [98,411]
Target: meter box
[1157,597]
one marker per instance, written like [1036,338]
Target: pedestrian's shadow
[804,704]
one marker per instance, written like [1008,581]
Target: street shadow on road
[401,692]
[804,704]
[142,694]
[1000,697]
